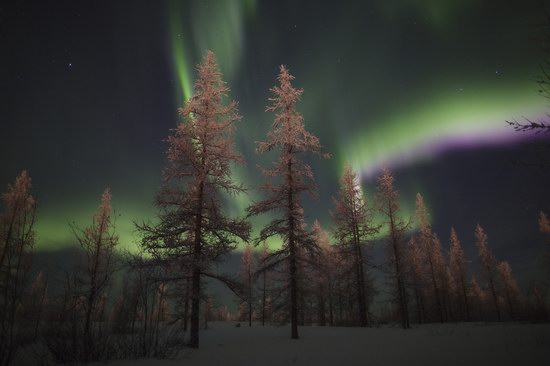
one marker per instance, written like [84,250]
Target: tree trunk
[435,287]
[363,321]
[465,298]
[40,308]
[88,341]
[186,304]
[196,275]
[330,303]
[263,299]
[321,303]
[292,256]
[401,293]
[293,296]
[493,293]
[249,301]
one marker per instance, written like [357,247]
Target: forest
[153,302]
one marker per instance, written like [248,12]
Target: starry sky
[89,91]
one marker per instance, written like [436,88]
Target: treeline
[424,284]
[78,315]
[313,277]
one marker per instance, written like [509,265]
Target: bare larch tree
[38,300]
[289,137]
[353,228]
[17,238]
[417,277]
[431,249]
[510,289]
[488,264]
[387,201]
[193,230]
[98,242]
[457,264]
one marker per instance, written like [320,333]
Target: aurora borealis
[90,91]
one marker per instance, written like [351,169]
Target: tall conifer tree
[457,264]
[17,239]
[489,266]
[291,140]
[193,230]
[387,200]
[353,227]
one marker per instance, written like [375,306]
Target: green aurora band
[179,59]
[466,117]
[218,27]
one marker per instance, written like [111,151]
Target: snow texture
[436,344]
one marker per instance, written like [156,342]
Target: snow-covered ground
[435,344]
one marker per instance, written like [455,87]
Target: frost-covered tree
[457,266]
[387,200]
[478,296]
[489,265]
[38,300]
[417,277]
[17,238]
[289,178]
[452,296]
[441,275]
[431,249]
[193,231]
[248,268]
[98,242]
[510,288]
[353,228]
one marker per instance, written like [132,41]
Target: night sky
[89,91]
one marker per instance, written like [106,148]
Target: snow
[435,344]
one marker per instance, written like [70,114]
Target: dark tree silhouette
[543,82]
[248,268]
[290,138]
[98,242]
[530,125]
[17,238]
[38,301]
[265,284]
[193,230]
